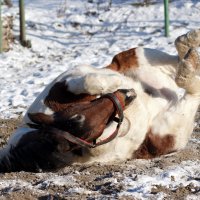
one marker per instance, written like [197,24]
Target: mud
[96,181]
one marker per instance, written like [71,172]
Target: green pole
[1,32]
[166,10]
[24,42]
[22,22]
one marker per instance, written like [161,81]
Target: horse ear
[41,118]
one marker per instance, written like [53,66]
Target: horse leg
[171,128]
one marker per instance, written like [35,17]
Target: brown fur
[123,61]
[59,98]
[154,145]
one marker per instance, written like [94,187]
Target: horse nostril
[130,96]
[131,93]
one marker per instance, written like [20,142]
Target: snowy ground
[69,33]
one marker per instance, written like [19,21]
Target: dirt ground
[97,179]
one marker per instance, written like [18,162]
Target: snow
[173,178]
[70,33]
[13,185]
[64,180]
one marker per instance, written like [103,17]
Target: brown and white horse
[159,121]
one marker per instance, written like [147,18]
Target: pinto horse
[159,121]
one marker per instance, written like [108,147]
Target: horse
[159,121]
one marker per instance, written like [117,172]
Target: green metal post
[1,32]
[22,22]
[166,10]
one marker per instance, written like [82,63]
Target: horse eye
[78,117]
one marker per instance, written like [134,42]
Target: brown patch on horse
[154,145]
[59,98]
[124,61]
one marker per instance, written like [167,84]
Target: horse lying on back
[46,146]
[159,121]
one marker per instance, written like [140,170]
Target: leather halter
[84,143]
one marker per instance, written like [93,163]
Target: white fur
[164,115]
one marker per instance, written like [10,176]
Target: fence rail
[166,12]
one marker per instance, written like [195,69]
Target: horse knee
[101,83]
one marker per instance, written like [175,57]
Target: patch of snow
[14,185]
[61,180]
[174,177]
